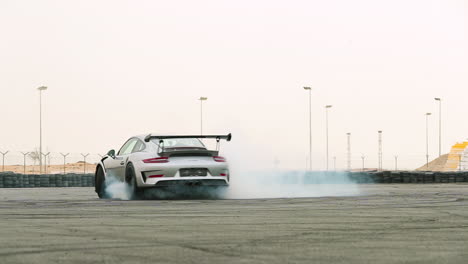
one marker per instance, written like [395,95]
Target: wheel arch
[100,165]
[129,163]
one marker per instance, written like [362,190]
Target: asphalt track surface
[405,223]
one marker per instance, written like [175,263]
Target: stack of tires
[44,181]
[428,177]
[77,180]
[396,178]
[59,180]
[7,181]
[86,180]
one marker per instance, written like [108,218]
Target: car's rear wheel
[130,179]
[100,182]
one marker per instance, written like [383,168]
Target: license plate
[193,172]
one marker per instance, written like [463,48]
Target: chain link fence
[27,162]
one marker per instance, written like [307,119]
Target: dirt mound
[437,164]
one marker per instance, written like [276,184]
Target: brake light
[223,174]
[219,159]
[157,160]
[156,176]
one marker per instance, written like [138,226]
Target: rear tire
[100,182]
[130,179]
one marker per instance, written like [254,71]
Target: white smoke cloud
[252,185]
[115,189]
[253,176]
[290,184]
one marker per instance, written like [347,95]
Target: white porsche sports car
[160,161]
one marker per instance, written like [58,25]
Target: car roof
[142,136]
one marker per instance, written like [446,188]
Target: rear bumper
[188,181]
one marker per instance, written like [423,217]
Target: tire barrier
[13,180]
[386,177]
[408,177]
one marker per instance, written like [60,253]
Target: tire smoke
[290,184]
[115,189]
[254,185]
[252,175]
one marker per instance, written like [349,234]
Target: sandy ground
[53,169]
[405,223]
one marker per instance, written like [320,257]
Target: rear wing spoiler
[217,137]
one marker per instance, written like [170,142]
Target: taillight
[222,174]
[157,160]
[156,176]
[219,159]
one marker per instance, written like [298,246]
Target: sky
[117,68]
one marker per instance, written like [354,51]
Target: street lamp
[440,124]
[201,113]
[427,140]
[348,136]
[42,88]
[326,121]
[396,163]
[363,157]
[380,150]
[310,127]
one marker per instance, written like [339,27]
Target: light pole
[363,157]
[440,124]
[42,88]
[310,126]
[396,163]
[427,140]
[201,113]
[380,150]
[349,151]
[334,163]
[459,161]
[326,125]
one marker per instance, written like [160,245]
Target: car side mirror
[111,153]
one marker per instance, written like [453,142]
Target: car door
[116,166]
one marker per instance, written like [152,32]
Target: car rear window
[180,143]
